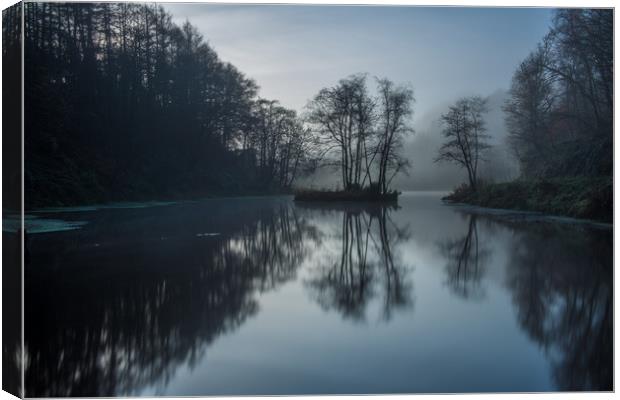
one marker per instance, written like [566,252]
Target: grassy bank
[345,195]
[587,198]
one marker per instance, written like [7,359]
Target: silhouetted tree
[395,108]
[529,114]
[360,134]
[128,105]
[341,117]
[466,140]
[280,141]
[11,107]
[560,109]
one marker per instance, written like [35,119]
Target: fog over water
[445,53]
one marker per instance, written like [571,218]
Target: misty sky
[292,51]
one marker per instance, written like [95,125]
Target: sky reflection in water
[293,299]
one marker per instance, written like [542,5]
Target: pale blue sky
[292,51]
[444,53]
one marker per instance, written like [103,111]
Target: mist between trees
[560,110]
[121,103]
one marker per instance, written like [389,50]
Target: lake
[261,295]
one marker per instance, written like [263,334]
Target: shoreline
[509,214]
[583,198]
[349,196]
[123,204]
[513,215]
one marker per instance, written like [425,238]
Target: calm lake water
[265,296]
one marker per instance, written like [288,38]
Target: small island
[346,195]
[360,135]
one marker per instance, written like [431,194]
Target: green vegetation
[578,197]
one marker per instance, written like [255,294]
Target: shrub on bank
[578,197]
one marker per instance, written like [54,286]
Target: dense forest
[560,111]
[559,117]
[121,103]
[11,107]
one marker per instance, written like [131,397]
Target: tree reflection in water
[561,281]
[560,278]
[362,264]
[466,262]
[123,303]
[101,333]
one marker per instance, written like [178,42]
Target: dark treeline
[560,111]
[122,103]
[11,200]
[11,106]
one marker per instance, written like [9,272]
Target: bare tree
[560,110]
[395,108]
[533,97]
[342,118]
[466,140]
[281,141]
[360,133]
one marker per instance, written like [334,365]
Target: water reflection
[11,312]
[363,264]
[561,284]
[271,247]
[466,264]
[136,296]
[113,334]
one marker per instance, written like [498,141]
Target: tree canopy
[560,110]
[359,133]
[122,103]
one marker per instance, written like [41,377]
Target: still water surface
[265,296]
